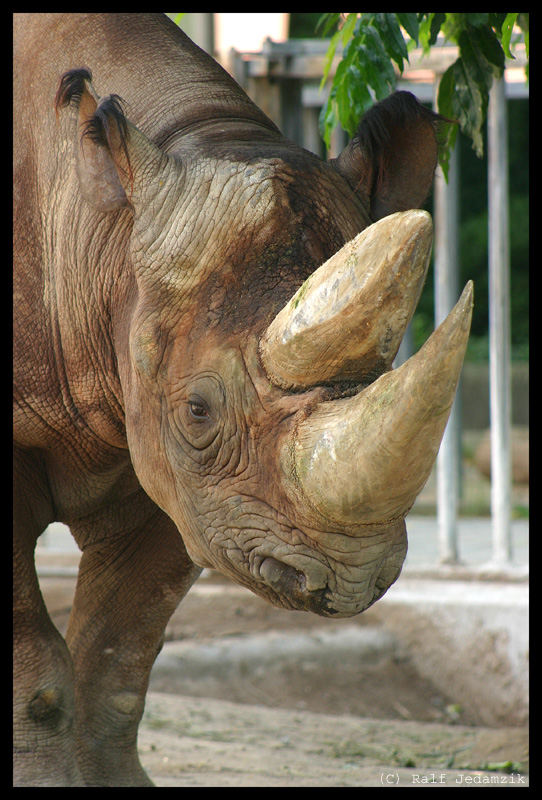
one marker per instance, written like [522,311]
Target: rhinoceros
[206,317]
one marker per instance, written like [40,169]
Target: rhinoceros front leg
[129,585]
[43,694]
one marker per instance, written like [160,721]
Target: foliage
[373,42]
[303,25]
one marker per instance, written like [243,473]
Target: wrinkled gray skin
[143,417]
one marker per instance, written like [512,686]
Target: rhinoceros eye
[198,409]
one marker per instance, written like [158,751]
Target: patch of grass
[502,766]
[520,512]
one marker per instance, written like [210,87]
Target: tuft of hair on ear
[71,87]
[107,124]
[108,115]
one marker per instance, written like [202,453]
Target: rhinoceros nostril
[281,577]
[291,583]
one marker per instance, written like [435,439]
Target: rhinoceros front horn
[364,459]
[348,318]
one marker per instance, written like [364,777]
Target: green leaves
[365,65]
[373,42]
[507,27]
[464,87]
[430,25]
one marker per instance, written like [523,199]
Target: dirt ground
[304,724]
[186,741]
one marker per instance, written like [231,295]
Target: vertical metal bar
[338,142]
[290,104]
[406,348]
[310,133]
[446,293]
[499,324]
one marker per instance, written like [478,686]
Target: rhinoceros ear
[96,170]
[110,151]
[391,161]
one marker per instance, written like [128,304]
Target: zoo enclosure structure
[283,79]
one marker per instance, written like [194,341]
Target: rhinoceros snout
[292,585]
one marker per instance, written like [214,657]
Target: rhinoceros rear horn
[110,151]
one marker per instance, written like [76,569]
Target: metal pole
[406,348]
[499,324]
[446,294]
[338,142]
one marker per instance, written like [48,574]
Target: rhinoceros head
[262,411]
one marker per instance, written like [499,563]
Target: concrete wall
[471,638]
